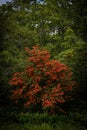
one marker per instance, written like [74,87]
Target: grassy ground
[44,126]
[13,120]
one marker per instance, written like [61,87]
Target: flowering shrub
[44,80]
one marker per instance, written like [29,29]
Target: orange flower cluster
[44,80]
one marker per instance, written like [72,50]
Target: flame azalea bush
[44,80]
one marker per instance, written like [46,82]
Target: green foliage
[74,55]
[70,39]
[79,16]
[30,121]
[38,118]
[43,126]
[68,45]
[80,68]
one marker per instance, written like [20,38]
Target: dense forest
[43,64]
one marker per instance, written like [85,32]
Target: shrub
[44,81]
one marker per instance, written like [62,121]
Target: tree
[80,69]
[44,81]
[74,55]
[78,12]
[9,51]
